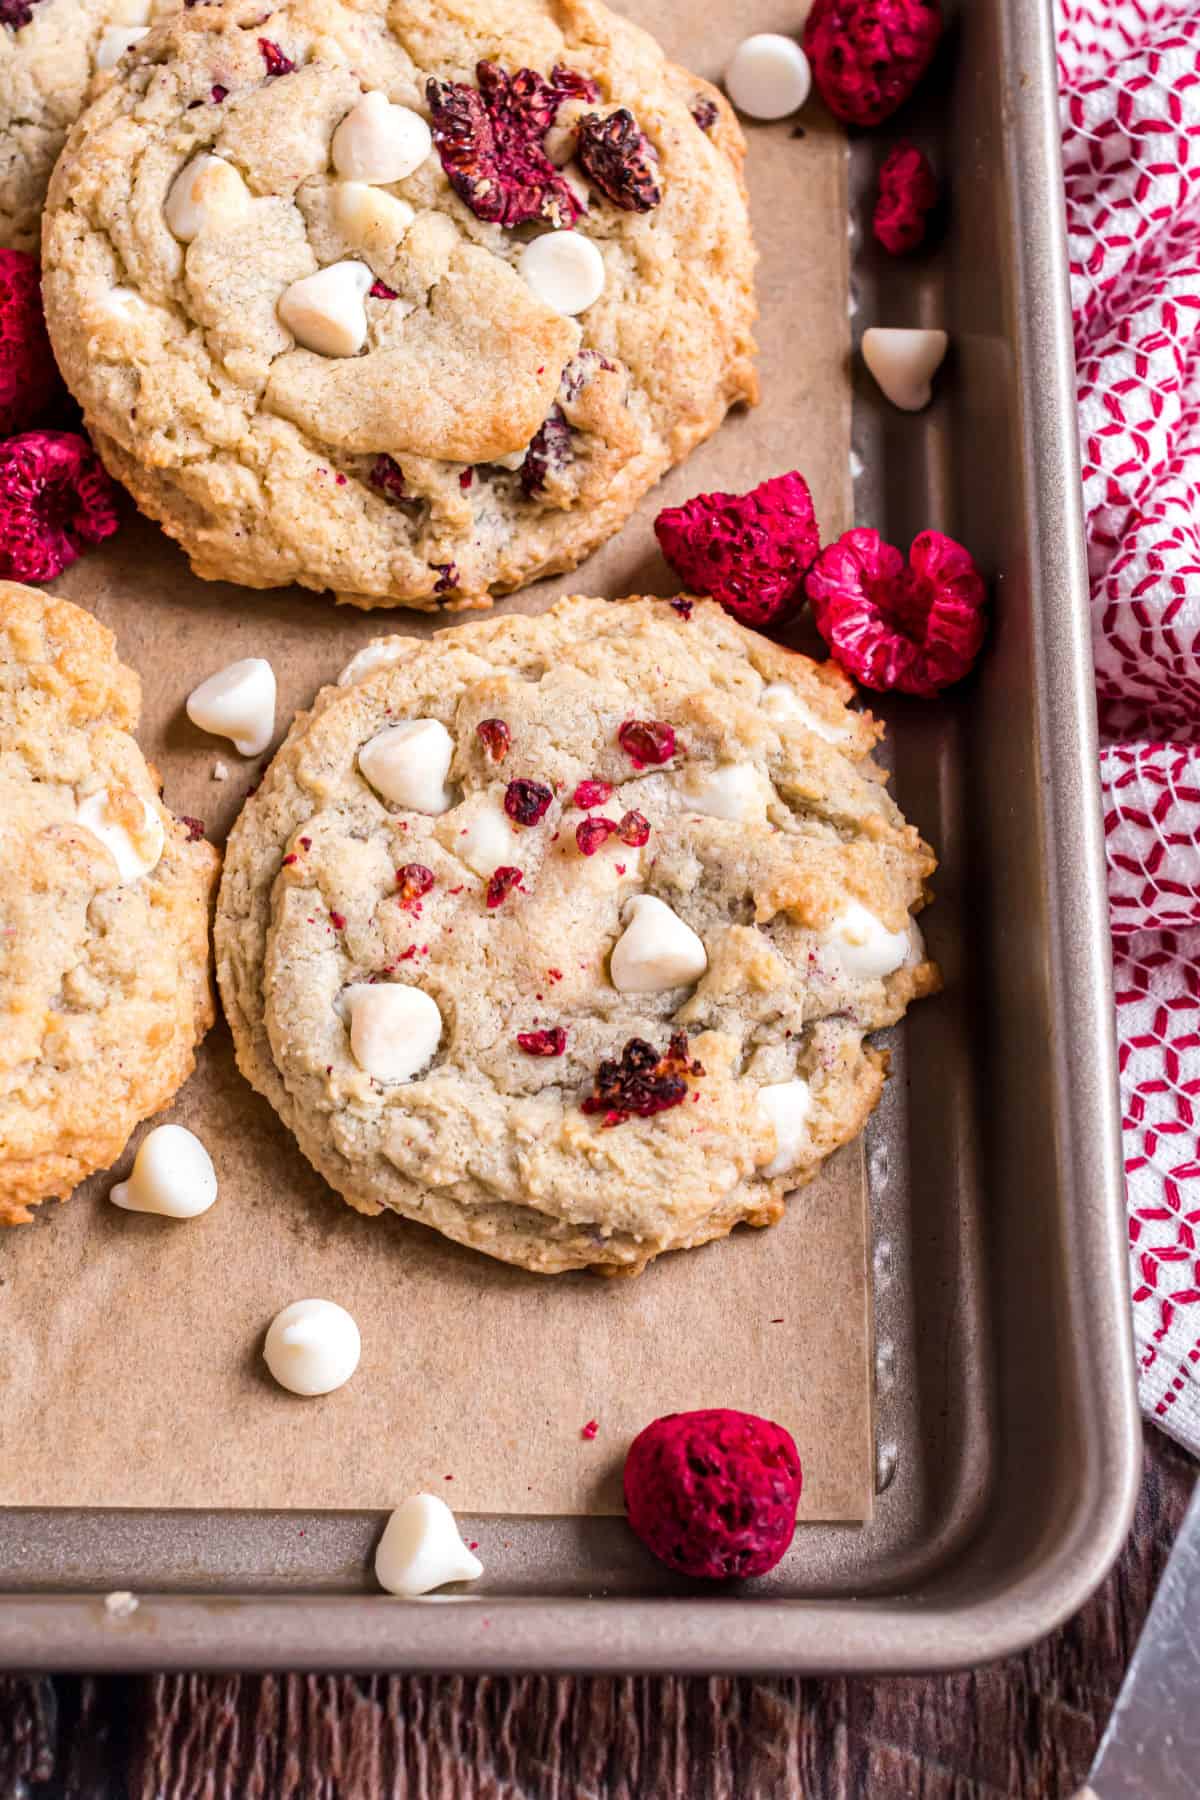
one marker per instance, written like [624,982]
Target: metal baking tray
[1008,1444]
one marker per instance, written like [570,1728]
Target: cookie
[563,935]
[408,301]
[51,51]
[104,904]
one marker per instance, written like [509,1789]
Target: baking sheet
[129,1347]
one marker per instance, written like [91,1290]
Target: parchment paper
[130,1370]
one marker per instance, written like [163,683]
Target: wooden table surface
[1026,1727]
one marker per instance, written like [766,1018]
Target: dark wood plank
[1028,1726]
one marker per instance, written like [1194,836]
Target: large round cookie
[386,474]
[104,901]
[771,839]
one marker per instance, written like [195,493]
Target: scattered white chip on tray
[656,950]
[781,703]
[237,702]
[172,1174]
[864,944]
[135,842]
[769,76]
[564,269]
[369,216]
[115,42]
[120,1604]
[786,1105]
[378,654]
[325,312]
[421,1549]
[377,141]
[408,764]
[207,191]
[486,841]
[729,791]
[312,1347]
[904,362]
[394,1029]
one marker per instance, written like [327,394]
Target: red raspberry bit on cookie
[571,84]
[543,1043]
[387,474]
[501,885]
[195,830]
[591,833]
[495,737]
[646,741]
[55,501]
[217,93]
[617,156]
[642,1082]
[915,625]
[592,793]
[589,1430]
[867,56]
[466,477]
[29,378]
[549,450]
[705,112]
[288,860]
[412,881]
[379,290]
[714,1494]
[447,577]
[683,606]
[277,63]
[748,551]
[527,802]
[306,843]
[634,830]
[337,920]
[490,144]
[907,192]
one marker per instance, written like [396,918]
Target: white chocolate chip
[515,459]
[377,141]
[367,216]
[564,269]
[769,76]
[120,1604]
[239,703]
[220,771]
[312,1347]
[486,841]
[206,191]
[421,1549]
[380,653]
[782,704]
[394,1029]
[656,951]
[785,1106]
[408,764]
[864,944]
[172,1174]
[115,42]
[730,791]
[135,844]
[904,363]
[325,312]
[124,301]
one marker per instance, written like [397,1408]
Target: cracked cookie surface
[608,876]
[448,432]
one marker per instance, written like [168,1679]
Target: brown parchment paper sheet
[130,1371]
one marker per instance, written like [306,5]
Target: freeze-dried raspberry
[277,63]
[447,577]
[683,606]
[489,140]
[526,802]
[387,474]
[749,551]
[714,1493]
[705,112]
[592,833]
[217,93]
[579,372]
[543,1043]
[29,380]
[379,290]
[55,501]
[412,881]
[916,626]
[634,830]
[616,155]
[647,741]
[550,449]
[907,192]
[495,737]
[592,793]
[15,13]
[570,84]
[501,885]
[867,56]
[642,1082]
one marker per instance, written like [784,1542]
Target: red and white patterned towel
[1129,73]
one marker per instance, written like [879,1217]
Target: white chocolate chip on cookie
[370,217]
[238,703]
[312,1347]
[656,951]
[564,269]
[206,191]
[394,1029]
[730,791]
[115,42]
[782,704]
[485,840]
[864,944]
[377,141]
[128,827]
[421,1549]
[325,312]
[904,363]
[786,1106]
[408,764]
[172,1174]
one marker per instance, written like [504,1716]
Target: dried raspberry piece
[570,84]
[337,920]
[867,56]
[549,450]
[15,13]
[29,379]
[683,606]
[412,880]
[592,793]
[55,501]
[195,829]
[217,93]
[591,834]
[495,737]
[642,1082]
[617,156]
[915,626]
[634,830]
[907,192]
[526,802]
[543,1043]
[705,112]
[589,1430]
[714,1494]
[580,371]
[447,577]
[749,551]
[379,290]
[387,474]
[501,885]
[465,478]
[646,741]
[277,63]
[489,142]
